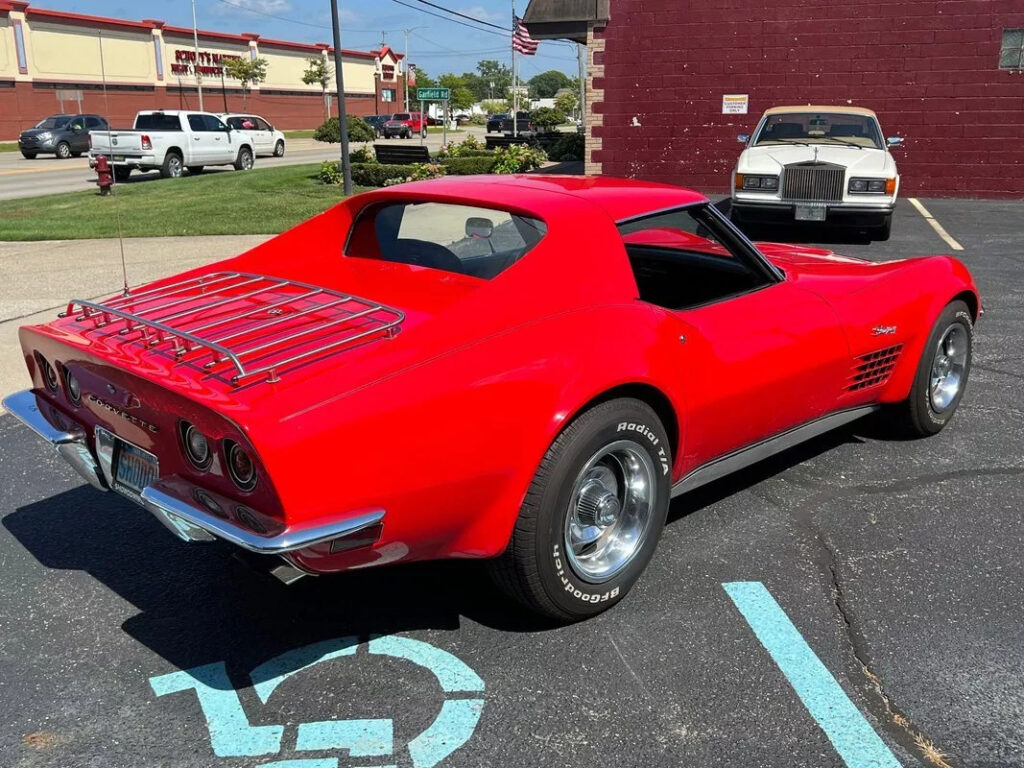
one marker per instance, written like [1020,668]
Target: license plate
[118,158]
[134,469]
[810,213]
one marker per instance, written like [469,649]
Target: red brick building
[944,74]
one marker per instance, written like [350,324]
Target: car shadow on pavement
[196,601]
[828,234]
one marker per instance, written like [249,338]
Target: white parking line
[950,241]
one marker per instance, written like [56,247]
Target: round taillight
[197,447]
[49,373]
[74,389]
[240,466]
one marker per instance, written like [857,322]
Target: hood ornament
[815,153]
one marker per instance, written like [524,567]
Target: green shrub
[518,158]
[358,130]
[377,175]
[568,147]
[468,144]
[470,166]
[362,155]
[478,119]
[421,171]
[546,117]
[329,172]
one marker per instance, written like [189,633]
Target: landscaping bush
[362,155]
[330,172]
[518,158]
[470,166]
[568,147]
[468,144]
[546,117]
[377,175]
[478,119]
[358,130]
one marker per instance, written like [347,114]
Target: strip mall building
[53,62]
[944,74]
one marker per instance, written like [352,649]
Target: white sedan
[817,163]
[268,140]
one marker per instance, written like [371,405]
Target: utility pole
[195,66]
[346,169]
[406,89]
[580,60]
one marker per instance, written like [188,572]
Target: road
[898,564]
[46,175]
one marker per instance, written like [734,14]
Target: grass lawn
[440,129]
[308,134]
[216,203]
[8,146]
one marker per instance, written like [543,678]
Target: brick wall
[929,68]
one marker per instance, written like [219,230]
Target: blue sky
[439,45]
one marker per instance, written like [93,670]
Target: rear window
[157,122]
[480,242]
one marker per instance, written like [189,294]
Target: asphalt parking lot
[897,563]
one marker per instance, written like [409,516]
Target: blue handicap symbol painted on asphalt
[233,735]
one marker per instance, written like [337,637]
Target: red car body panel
[444,425]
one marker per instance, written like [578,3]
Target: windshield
[53,122]
[401,116]
[480,242]
[819,128]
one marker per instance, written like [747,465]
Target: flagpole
[515,79]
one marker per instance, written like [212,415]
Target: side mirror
[478,226]
[894,141]
[743,138]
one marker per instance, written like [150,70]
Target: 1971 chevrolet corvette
[524,369]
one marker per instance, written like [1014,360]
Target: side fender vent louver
[874,368]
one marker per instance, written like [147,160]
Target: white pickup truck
[171,141]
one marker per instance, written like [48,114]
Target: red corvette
[524,369]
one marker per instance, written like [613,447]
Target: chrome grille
[874,368]
[813,182]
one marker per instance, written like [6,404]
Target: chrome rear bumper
[168,499]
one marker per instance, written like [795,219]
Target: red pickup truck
[404,125]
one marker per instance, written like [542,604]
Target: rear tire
[76,154]
[172,166]
[423,133]
[29,155]
[244,161]
[942,374]
[582,538]
[121,173]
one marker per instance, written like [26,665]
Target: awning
[564,19]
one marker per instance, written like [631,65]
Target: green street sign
[433,94]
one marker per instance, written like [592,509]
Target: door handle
[195,138]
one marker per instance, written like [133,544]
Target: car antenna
[113,186]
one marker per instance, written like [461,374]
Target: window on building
[1011,56]
[387,94]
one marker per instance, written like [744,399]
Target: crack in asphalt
[899,726]
[1000,371]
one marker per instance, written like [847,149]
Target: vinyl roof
[833,108]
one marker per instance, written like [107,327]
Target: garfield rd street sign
[433,94]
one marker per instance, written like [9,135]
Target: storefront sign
[187,62]
[735,104]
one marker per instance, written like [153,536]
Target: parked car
[494,122]
[61,135]
[404,125]
[267,140]
[462,119]
[377,122]
[817,163]
[522,126]
[516,368]
[171,141]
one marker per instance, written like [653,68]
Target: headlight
[197,447]
[49,373]
[760,182]
[240,466]
[74,389]
[873,186]
[44,136]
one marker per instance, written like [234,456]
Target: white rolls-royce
[817,163]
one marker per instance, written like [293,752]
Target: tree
[567,100]
[461,97]
[490,71]
[546,84]
[247,72]
[357,130]
[546,117]
[319,72]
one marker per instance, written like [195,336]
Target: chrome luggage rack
[256,324]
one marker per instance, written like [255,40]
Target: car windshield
[480,242]
[400,116]
[53,122]
[819,128]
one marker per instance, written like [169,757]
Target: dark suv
[62,135]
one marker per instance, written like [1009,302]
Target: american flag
[521,40]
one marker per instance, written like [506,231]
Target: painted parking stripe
[848,730]
[939,229]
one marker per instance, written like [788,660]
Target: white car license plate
[118,158]
[810,213]
[134,469]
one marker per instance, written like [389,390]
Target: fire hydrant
[104,175]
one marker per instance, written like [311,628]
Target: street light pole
[346,169]
[195,43]
[406,89]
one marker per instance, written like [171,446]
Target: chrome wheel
[949,367]
[63,151]
[610,511]
[246,161]
[174,166]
